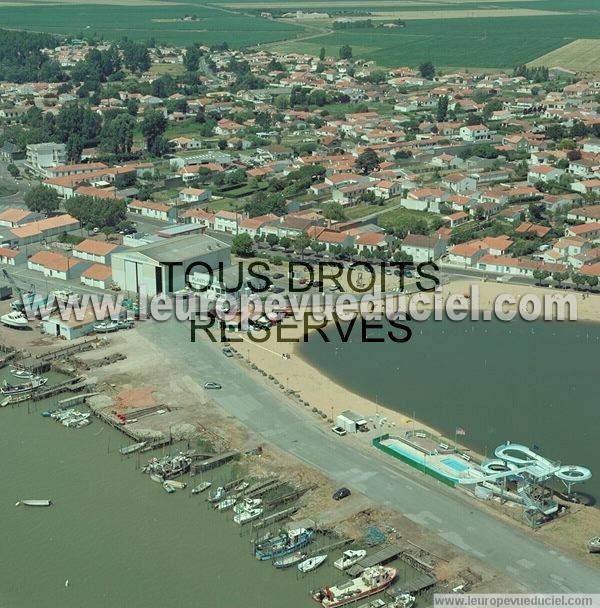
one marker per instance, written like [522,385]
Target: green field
[497,40]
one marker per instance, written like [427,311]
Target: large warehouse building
[149,265]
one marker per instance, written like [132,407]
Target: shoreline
[283,361]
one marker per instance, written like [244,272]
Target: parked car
[276,289]
[341,494]
[212,385]
[278,275]
[227,352]
[338,430]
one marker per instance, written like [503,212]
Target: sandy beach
[282,360]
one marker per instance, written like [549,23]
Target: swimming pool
[455,465]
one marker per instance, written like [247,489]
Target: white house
[475,133]
[424,248]
[158,211]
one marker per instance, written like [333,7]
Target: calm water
[116,535]
[532,384]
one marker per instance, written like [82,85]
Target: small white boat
[289,560]
[21,373]
[247,504]
[169,489]
[377,603]
[404,600]
[349,558]
[130,449]
[247,515]
[178,485]
[201,487]
[106,327]
[312,563]
[16,320]
[225,504]
[241,486]
[218,495]
[35,503]
[5,402]
[157,478]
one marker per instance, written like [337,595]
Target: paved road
[443,510]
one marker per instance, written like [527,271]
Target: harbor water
[530,383]
[116,536]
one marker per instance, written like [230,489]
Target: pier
[275,517]
[387,554]
[216,461]
[289,497]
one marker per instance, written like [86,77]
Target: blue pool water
[455,465]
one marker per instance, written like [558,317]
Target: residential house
[92,250]
[56,265]
[227,221]
[475,133]
[189,196]
[39,157]
[424,248]
[11,257]
[544,173]
[97,275]
[154,210]
[13,217]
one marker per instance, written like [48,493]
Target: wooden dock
[289,497]
[412,582]
[261,487]
[275,517]
[386,554]
[217,461]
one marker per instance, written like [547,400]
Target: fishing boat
[349,558]
[289,560]
[371,581]
[218,495]
[105,327]
[283,543]
[594,545]
[130,449]
[225,504]
[178,485]
[312,563]
[16,389]
[201,487]
[241,486]
[404,600]
[247,504]
[34,503]
[247,515]
[157,478]
[21,373]
[5,402]
[169,489]
[16,320]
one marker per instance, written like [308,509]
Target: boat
[130,449]
[241,486]
[201,487]
[5,402]
[106,327]
[178,485]
[312,563]
[218,495]
[15,389]
[35,503]
[21,373]
[247,515]
[376,603]
[225,504]
[247,504]
[371,581]
[283,543]
[349,558]
[594,545]
[289,560]
[169,489]
[157,478]
[16,320]
[404,600]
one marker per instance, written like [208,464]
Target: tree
[301,242]
[540,276]
[285,242]
[442,108]
[322,53]
[153,126]
[346,52]
[117,134]
[367,161]
[74,147]
[272,239]
[191,59]
[427,70]
[333,211]
[560,277]
[13,170]
[136,56]
[41,199]
[95,212]
[578,279]
[592,281]
[242,244]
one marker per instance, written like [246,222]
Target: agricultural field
[582,55]
[453,34]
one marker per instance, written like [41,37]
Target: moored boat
[177,485]
[35,503]
[218,495]
[312,563]
[283,543]
[16,320]
[289,560]
[247,504]
[371,581]
[169,489]
[201,487]
[16,389]
[349,558]
[404,600]
[225,504]
[594,545]
[105,327]
[21,373]
[130,449]
[247,515]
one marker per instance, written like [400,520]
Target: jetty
[275,502]
[212,462]
[386,554]
[275,517]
